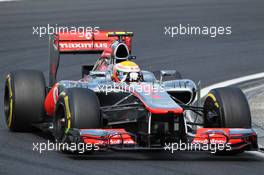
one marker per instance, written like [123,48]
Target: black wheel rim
[211,114]
[59,125]
[7,104]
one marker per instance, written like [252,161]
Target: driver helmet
[126,71]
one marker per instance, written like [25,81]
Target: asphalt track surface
[198,57]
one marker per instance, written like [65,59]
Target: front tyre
[76,108]
[226,108]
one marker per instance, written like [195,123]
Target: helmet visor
[121,75]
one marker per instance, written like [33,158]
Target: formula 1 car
[148,114]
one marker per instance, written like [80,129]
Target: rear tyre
[24,97]
[77,108]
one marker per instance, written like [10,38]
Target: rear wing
[85,43]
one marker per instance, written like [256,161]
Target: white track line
[205,90]
[257,153]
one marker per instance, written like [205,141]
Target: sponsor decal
[83,45]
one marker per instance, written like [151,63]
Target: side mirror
[169,73]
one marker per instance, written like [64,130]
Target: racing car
[117,106]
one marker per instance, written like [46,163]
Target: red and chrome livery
[142,115]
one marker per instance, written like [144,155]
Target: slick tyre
[77,108]
[24,97]
[226,108]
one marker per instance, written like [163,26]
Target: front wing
[120,139]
